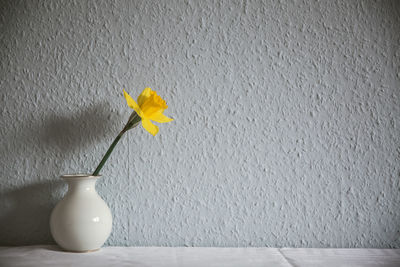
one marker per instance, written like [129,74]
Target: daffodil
[149,107]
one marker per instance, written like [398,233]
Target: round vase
[81,221]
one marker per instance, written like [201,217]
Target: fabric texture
[198,256]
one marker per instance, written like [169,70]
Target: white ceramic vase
[81,221]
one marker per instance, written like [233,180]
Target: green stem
[108,153]
[132,123]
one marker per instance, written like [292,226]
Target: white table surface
[194,256]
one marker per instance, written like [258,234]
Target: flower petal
[150,127]
[132,104]
[159,117]
[143,96]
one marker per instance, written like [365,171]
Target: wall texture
[286,131]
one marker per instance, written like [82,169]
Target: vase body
[81,221]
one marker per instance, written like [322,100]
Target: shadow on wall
[24,219]
[77,130]
[51,142]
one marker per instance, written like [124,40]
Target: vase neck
[78,183]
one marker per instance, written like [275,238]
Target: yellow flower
[149,106]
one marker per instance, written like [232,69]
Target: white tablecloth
[169,256]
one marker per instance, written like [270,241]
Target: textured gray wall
[286,128]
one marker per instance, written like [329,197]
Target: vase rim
[79,176]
